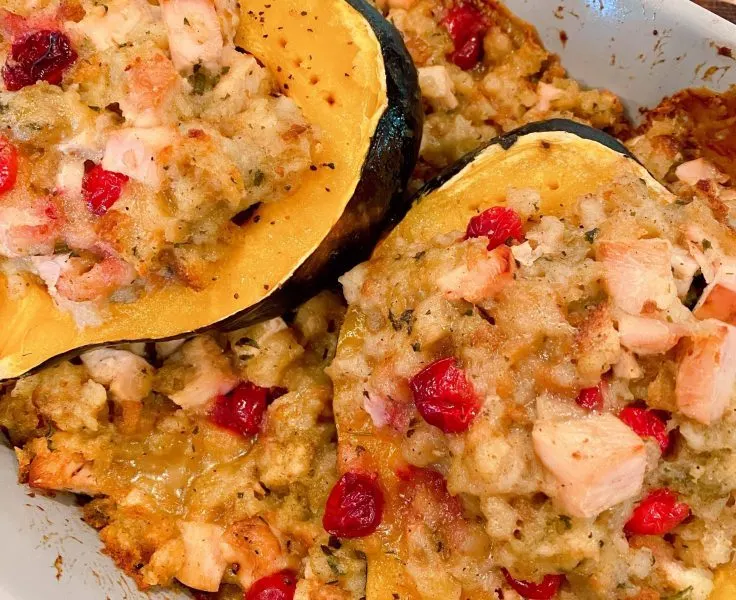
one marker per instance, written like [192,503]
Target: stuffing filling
[549,399]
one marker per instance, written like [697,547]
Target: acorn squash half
[562,160]
[348,70]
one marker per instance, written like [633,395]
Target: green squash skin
[507,140]
[380,197]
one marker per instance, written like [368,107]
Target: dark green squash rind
[379,198]
[507,140]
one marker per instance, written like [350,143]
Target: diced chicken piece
[546,94]
[255,548]
[196,374]
[437,86]
[194,33]
[718,300]
[705,251]
[638,274]
[597,345]
[645,336]
[28,232]
[69,178]
[548,235]
[684,268]
[128,376]
[204,560]
[592,211]
[61,470]
[110,25]
[627,367]
[133,152]
[596,462]
[483,275]
[699,170]
[79,282]
[524,254]
[707,373]
[151,84]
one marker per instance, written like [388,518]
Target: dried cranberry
[499,224]
[591,398]
[546,589]
[242,409]
[467,26]
[647,423]
[354,507]
[279,586]
[444,396]
[659,513]
[8,164]
[101,189]
[38,56]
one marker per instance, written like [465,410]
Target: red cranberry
[242,409]
[499,224]
[354,507]
[8,165]
[659,513]
[647,423]
[101,189]
[467,26]
[546,589]
[591,398]
[38,56]
[444,396]
[279,586]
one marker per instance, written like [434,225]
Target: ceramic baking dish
[640,49]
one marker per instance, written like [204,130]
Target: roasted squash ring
[349,72]
[562,160]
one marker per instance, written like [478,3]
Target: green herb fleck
[419,254]
[258,177]
[186,21]
[202,81]
[405,318]
[591,235]
[416,346]
[566,521]
[246,341]
[706,244]
[685,594]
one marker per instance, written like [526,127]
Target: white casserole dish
[46,550]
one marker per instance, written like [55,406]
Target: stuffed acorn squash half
[313,107]
[530,366]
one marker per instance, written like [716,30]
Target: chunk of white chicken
[195,37]
[684,268]
[195,374]
[133,152]
[204,560]
[596,462]
[718,300]
[110,25]
[638,274]
[707,373]
[481,276]
[693,171]
[128,376]
[437,86]
[645,336]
